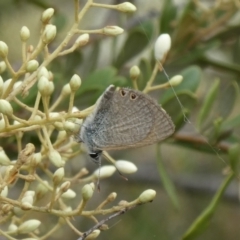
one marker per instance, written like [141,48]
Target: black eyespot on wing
[133,96]
[122,92]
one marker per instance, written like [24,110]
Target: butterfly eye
[122,92]
[94,156]
[133,96]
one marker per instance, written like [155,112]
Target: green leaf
[91,60]
[169,12]
[204,218]
[146,70]
[173,108]
[98,81]
[234,156]
[231,123]
[186,19]
[208,103]
[137,40]
[227,100]
[191,80]
[196,54]
[166,181]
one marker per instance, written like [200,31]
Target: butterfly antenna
[182,108]
[98,180]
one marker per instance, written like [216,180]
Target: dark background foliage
[191,164]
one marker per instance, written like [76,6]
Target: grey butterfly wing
[94,121]
[132,120]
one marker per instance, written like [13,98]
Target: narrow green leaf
[169,12]
[166,181]
[146,70]
[227,99]
[208,103]
[204,218]
[231,123]
[136,42]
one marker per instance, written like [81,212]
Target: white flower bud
[70,126]
[112,196]
[82,40]
[87,192]
[51,76]
[69,194]
[27,202]
[58,176]
[112,30]
[62,135]
[5,107]
[162,46]
[41,190]
[18,211]
[26,206]
[29,226]
[93,235]
[68,209]
[54,114]
[147,196]
[58,126]
[43,72]
[65,186]
[12,227]
[134,72]
[27,199]
[37,158]
[92,185]
[49,33]
[29,193]
[51,87]
[17,84]
[176,80]
[55,158]
[75,109]
[4,192]
[105,171]
[3,49]
[2,67]
[66,90]
[75,82]
[32,65]
[43,85]
[47,15]
[5,85]
[126,7]
[123,203]
[24,34]
[4,160]
[126,166]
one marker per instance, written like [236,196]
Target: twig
[98,225]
